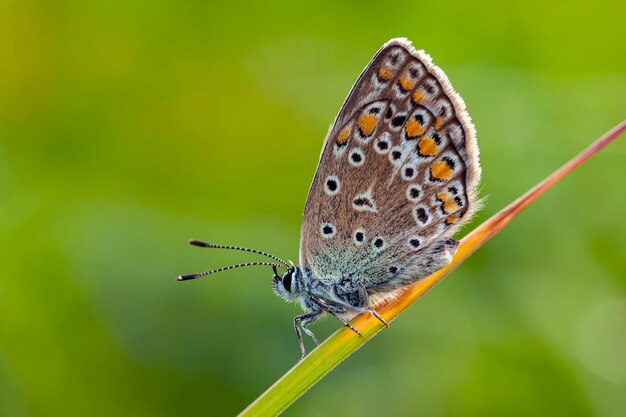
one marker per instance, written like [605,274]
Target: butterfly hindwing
[397,176]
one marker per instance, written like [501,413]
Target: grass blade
[344,342]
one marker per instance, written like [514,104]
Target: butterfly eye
[287,282]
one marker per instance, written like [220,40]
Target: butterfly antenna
[201,244]
[202,274]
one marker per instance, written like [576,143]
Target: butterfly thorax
[345,296]
[303,287]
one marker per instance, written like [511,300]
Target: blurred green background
[127,128]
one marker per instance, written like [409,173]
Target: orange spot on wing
[417,96]
[438,122]
[443,196]
[413,128]
[343,136]
[441,171]
[385,73]
[452,219]
[427,147]
[449,205]
[367,124]
[405,83]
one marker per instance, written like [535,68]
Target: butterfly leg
[345,323]
[363,296]
[330,311]
[305,326]
[304,320]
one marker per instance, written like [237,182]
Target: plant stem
[344,342]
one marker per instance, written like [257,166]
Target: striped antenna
[202,274]
[201,244]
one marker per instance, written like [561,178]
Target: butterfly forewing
[397,174]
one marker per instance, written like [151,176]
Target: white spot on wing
[383,143]
[332,185]
[364,202]
[339,150]
[378,243]
[328,230]
[413,192]
[422,215]
[414,242]
[409,171]
[356,157]
[396,156]
[360,232]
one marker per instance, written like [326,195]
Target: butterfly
[397,176]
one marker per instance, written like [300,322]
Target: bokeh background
[127,128]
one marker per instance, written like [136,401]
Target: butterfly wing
[397,176]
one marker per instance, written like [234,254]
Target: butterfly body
[350,292]
[397,176]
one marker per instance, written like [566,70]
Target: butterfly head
[289,284]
